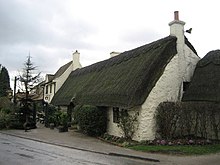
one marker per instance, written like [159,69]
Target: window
[46,89]
[115,115]
[50,88]
[124,112]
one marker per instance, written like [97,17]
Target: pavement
[76,140]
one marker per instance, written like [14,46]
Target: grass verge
[179,150]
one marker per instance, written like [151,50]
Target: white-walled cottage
[137,80]
[53,83]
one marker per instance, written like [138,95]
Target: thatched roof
[124,80]
[205,85]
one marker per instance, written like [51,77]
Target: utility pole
[15,85]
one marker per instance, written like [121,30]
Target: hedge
[188,119]
[91,120]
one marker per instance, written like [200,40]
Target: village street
[46,146]
[17,151]
[109,83]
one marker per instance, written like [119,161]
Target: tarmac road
[73,143]
[18,151]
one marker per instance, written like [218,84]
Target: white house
[137,80]
[53,83]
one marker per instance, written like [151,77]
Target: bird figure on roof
[189,30]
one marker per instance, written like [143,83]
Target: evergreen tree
[4,81]
[28,78]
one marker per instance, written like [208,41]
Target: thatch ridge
[205,85]
[124,80]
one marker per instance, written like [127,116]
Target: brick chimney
[76,63]
[177,28]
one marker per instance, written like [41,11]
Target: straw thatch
[123,81]
[205,85]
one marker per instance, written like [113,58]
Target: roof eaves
[84,93]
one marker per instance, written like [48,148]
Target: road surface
[18,151]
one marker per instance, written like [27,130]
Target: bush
[166,119]
[5,117]
[50,115]
[64,118]
[76,113]
[91,120]
[188,119]
[16,124]
[2,120]
[128,123]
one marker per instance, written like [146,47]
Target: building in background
[53,83]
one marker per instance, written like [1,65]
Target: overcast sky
[52,29]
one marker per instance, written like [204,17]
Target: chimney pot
[177,28]
[176,15]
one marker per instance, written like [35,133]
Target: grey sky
[52,29]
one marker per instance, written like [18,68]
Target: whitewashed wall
[112,128]
[60,80]
[49,95]
[57,83]
[168,88]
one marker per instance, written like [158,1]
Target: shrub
[50,115]
[64,119]
[6,110]
[166,119]
[128,123]
[76,113]
[5,119]
[91,120]
[188,119]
